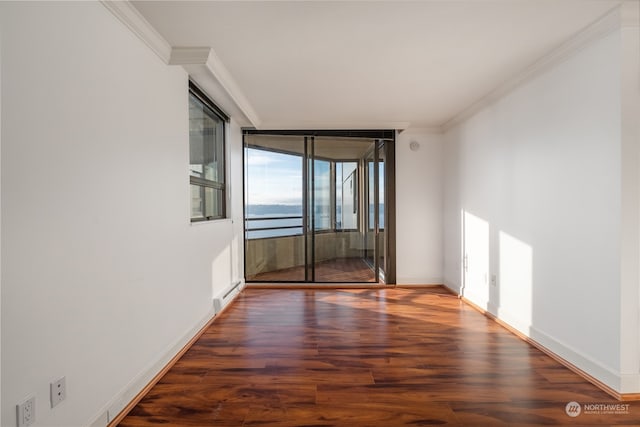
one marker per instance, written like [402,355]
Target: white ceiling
[345,64]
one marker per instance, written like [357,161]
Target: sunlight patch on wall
[476,259]
[516,279]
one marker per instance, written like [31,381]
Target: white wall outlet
[58,391]
[494,280]
[26,412]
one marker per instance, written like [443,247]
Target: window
[206,157]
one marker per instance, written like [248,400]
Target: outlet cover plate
[58,391]
[26,412]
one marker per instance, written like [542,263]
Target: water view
[286,220]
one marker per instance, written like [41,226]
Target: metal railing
[271,227]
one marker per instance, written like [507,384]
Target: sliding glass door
[314,208]
[274,199]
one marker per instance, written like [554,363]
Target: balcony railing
[274,226]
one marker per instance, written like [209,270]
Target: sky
[273,178]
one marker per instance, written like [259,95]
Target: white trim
[597,370]
[201,63]
[189,55]
[629,383]
[333,125]
[224,77]
[207,70]
[211,221]
[597,30]
[452,287]
[0,213]
[129,15]
[419,281]
[116,404]
[606,375]
[429,130]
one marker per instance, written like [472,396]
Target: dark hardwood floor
[365,357]
[341,270]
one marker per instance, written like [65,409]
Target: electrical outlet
[494,280]
[26,412]
[58,391]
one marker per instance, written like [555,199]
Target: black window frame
[209,105]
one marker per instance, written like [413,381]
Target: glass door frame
[385,140]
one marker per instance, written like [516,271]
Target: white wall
[541,167]
[419,235]
[235,177]
[630,247]
[103,277]
[0,216]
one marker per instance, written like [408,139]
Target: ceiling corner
[132,19]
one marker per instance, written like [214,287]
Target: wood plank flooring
[365,357]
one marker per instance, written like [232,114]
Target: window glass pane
[206,159]
[371,172]
[381,196]
[322,196]
[371,196]
[273,193]
[213,202]
[338,183]
[206,202]
[197,202]
[206,142]
[346,195]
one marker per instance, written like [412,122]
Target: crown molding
[429,130]
[600,28]
[129,16]
[189,55]
[224,77]
[207,70]
[201,63]
[331,125]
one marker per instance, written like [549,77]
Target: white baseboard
[408,281]
[131,390]
[101,421]
[111,410]
[583,362]
[114,406]
[453,287]
[630,383]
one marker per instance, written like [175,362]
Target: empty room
[320,213]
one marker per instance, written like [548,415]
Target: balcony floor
[333,271]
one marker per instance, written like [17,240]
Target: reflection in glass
[206,161]
[322,195]
[206,132]
[346,195]
[205,201]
